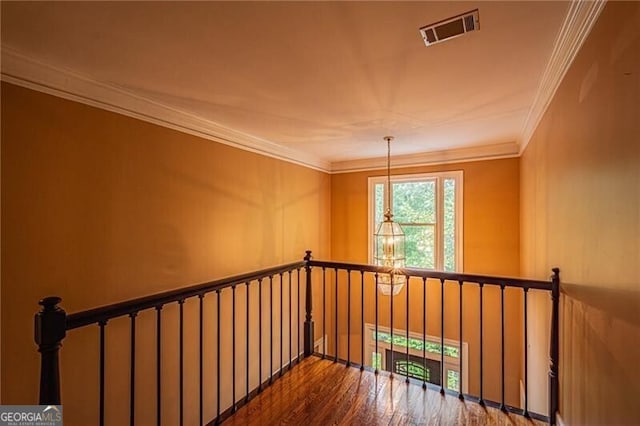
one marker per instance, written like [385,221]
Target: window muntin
[429,209]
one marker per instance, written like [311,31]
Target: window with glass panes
[429,209]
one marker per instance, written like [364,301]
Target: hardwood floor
[321,392]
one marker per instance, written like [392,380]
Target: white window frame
[439,234]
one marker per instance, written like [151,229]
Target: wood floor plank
[321,392]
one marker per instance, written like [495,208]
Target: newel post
[50,329]
[554,347]
[308,323]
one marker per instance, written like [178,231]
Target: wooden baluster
[526,357]
[460,394]
[247,286]
[233,348]
[281,325]
[132,378]
[481,401]
[218,295]
[554,347]
[201,359]
[362,321]
[407,328]
[270,329]
[376,324]
[260,335]
[424,331]
[102,325]
[308,323]
[348,318]
[336,319]
[50,329]
[324,314]
[159,365]
[503,407]
[181,361]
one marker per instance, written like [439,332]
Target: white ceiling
[324,79]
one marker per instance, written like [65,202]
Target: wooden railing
[52,324]
[417,282]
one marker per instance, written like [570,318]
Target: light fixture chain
[389,176]
[388,214]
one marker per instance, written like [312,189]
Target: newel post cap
[50,323]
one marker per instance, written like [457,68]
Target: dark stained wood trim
[448,276]
[104,313]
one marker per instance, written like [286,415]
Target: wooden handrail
[115,310]
[428,273]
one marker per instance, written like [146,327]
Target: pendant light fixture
[389,242]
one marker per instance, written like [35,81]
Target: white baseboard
[559,420]
[317,345]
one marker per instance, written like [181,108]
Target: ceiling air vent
[450,28]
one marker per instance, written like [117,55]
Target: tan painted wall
[99,207]
[580,192]
[491,246]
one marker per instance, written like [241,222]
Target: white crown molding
[581,17]
[460,155]
[26,72]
